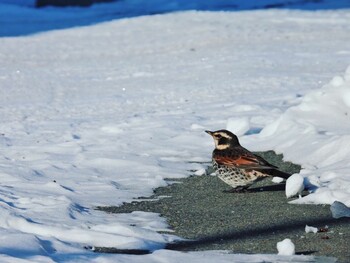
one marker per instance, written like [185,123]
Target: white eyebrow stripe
[224,135]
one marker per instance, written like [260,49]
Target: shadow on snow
[22,20]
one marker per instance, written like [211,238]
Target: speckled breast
[234,177]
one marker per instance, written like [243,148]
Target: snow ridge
[316,134]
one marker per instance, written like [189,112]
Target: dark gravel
[196,208]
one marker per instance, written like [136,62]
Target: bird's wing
[243,160]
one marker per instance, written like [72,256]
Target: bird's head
[224,139]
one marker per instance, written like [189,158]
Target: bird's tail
[275,172]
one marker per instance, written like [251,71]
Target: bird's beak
[209,132]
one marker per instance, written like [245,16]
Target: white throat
[221,146]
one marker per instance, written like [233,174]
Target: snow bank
[316,134]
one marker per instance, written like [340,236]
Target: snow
[294,185]
[277,180]
[286,247]
[311,229]
[339,210]
[315,133]
[102,114]
[200,172]
[238,126]
[49,18]
[196,257]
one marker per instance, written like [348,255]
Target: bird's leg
[239,189]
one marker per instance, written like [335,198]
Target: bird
[237,166]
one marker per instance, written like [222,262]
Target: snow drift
[316,134]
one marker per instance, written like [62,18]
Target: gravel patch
[198,209]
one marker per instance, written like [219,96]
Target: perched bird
[237,166]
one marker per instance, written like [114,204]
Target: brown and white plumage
[237,166]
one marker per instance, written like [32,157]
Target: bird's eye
[218,136]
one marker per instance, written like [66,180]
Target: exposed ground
[197,209]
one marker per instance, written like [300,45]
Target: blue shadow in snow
[254,130]
[16,20]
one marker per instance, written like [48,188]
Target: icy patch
[339,210]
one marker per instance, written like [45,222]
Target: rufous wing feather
[243,162]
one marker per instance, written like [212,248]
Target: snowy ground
[48,18]
[100,115]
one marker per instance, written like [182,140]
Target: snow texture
[294,185]
[238,126]
[316,134]
[101,115]
[311,229]
[277,180]
[339,210]
[286,247]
